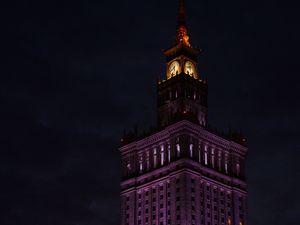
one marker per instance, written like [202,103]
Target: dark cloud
[76,73]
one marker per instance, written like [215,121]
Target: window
[128,168]
[199,153]
[238,169]
[229,221]
[162,155]
[148,160]
[226,164]
[219,160]
[213,158]
[169,153]
[155,157]
[205,155]
[191,150]
[178,150]
[141,164]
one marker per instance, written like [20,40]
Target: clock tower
[183,93]
[183,172]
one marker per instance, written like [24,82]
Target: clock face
[189,68]
[174,69]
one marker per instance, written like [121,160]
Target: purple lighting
[183,190]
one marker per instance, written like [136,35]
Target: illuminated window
[162,155]
[205,155]
[191,150]
[178,150]
[226,164]
[213,158]
[229,221]
[154,157]
[128,166]
[141,164]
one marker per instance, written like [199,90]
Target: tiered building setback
[185,173]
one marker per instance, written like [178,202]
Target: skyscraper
[184,173]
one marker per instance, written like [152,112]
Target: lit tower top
[182,94]
[182,57]
[182,36]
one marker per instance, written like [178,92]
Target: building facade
[184,173]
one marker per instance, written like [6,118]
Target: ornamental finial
[182,36]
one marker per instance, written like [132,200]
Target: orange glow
[229,221]
[182,36]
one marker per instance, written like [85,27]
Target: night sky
[75,74]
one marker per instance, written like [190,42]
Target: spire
[182,37]
[181,14]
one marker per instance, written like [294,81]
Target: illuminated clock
[189,68]
[174,69]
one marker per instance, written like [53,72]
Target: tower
[183,94]
[183,172]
